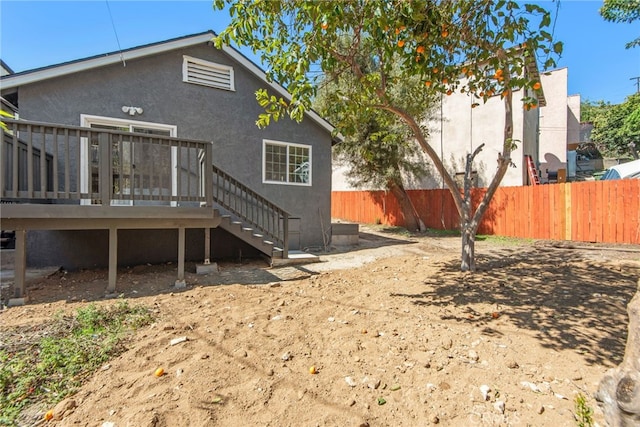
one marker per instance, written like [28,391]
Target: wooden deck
[60,177]
[24,217]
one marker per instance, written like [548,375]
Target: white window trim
[86,120]
[287,144]
[209,64]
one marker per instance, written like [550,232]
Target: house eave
[13,81]
[32,76]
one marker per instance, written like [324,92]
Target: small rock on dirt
[372,383]
[178,340]
[63,409]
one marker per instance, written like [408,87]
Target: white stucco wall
[460,129]
[553,121]
[573,119]
[457,130]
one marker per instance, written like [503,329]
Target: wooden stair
[250,236]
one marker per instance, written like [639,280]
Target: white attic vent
[205,73]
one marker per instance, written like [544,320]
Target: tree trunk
[412,221]
[468,249]
[619,390]
[468,222]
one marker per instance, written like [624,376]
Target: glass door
[140,168]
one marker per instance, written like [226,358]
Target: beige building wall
[554,122]
[457,129]
[573,119]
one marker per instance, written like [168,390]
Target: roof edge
[32,76]
[12,81]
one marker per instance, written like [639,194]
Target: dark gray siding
[226,118]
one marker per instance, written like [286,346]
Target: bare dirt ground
[397,334]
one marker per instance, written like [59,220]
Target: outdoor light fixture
[132,110]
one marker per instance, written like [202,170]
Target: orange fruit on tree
[449,92]
[445,81]
[420,49]
[324,25]
[537,86]
[427,84]
[444,33]
[435,71]
[400,43]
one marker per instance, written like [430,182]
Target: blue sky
[40,33]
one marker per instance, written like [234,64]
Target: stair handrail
[252,208]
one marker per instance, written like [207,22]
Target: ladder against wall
[532,170]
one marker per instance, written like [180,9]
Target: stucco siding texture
[554,121]
[459,129]
[226,118]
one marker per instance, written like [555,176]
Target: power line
[124,64]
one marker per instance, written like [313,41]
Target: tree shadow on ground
[564,299]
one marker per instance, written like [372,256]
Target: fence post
[567,211]
[105,168]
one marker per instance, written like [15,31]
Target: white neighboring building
[457,129]
[559,122]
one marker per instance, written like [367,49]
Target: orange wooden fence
[594,211]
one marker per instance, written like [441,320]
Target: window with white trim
[205,73]
[286,163]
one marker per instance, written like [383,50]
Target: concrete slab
[180,284]
[207,268]
[295,258]
[16,302]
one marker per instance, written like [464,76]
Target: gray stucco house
[171,136]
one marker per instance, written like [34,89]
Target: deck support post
[207,246]
[113,260]
[20,264]
[180,283]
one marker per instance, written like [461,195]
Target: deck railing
[99,166]
[265,217]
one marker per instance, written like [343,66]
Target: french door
[138,167]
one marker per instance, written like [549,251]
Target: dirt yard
[397,334]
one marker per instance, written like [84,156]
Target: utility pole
[637,79]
